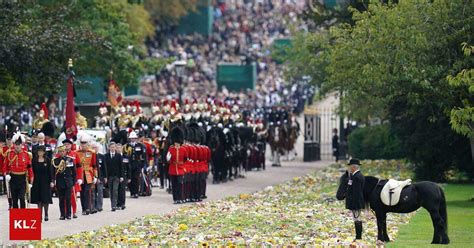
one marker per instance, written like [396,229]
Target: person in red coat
[176,157]
[71,152]
[205,170]
[17,171]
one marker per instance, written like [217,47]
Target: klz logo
[25,224]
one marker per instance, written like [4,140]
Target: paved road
[160,202]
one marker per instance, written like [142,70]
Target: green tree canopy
[38,37]
[392,64]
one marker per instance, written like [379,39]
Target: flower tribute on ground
[302,211]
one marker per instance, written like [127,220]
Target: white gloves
[8,177]
[95,180]
[168,156]
[51,185]
[121,179]
[79,181]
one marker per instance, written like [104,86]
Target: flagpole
[112,109]
[71,129]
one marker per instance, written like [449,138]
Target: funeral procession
[236,123]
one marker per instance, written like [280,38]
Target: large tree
[38,37]
[391,63]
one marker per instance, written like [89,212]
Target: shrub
[375,142]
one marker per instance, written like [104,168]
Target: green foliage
[9,91]
[392,64]
[38,38]
[306,57]
[462,117]
[375,142]
[154,65]
[169,12]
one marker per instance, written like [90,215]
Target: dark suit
[355,192]
[98,191]
[123,185]
[64,182]
[114,171]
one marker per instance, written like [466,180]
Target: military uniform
[18,166]
[88,163]
[136,153]
[65,178]
[176,157]
[78,181]
[121,199]
[98,190]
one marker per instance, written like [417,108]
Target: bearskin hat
[3,136]
[48,129]
[177,135]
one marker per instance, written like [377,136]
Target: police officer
[355,194]
[136,153]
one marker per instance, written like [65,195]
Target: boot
[358,227]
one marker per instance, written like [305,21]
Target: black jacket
[102,170]
[136,154]
[127,170]
[355,192]
[66,178]
[114,166]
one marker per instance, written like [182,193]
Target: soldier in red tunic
[17,170]
[88,162]
[68,144]
[176,157]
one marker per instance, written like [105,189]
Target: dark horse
[421,194]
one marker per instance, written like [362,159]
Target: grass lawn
[419,232]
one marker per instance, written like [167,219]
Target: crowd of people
[243,33]
[175,145]
[206,135]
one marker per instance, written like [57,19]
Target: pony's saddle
[391,191]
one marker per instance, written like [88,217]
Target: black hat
[177,135]
[354,161]
[41,147]
[48,129]
[34,133]
[67,141]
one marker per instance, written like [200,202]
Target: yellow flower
[183,227]
[244,196]
[204,244]
[271,241]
